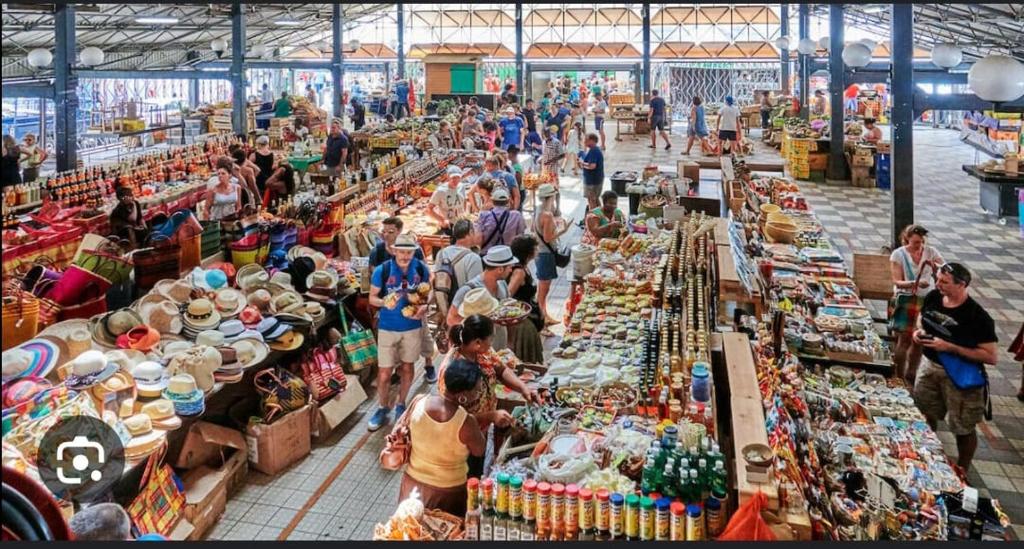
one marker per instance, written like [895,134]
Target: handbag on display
[20,318]
[398,443]
[281,392]
[159,261]
[103,257]
[161,501]
[359,345]
[322,373]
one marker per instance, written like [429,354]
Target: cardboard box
[863,160]
[277,445]
[335,410]
[183,531]
[216,461]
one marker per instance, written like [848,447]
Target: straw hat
[230,370]
[260,298]
[145,440]
[323,286]
[229,302]
[289,341]
[249,275]
[161,414]
[185,395]
[272,328]
[286,302]
[162,315]
[178,291]
[477,301]
[210,338]
[500,256]
[141,338]
[88,369]
[125,359]
[200,315]
[406,241]
[107,327]
[250,316]
[35,357]
[250,352]
[199,362]
[234,330]
[119,386]
[282,279]
[150,378]
[546,190]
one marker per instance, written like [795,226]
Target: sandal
[547,333]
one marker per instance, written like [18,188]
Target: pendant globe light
[869,44]
[354,45]
[39,58]
[258,50]
[782,43]
[807,46]
[856,55]
[947,56]
[91,56]
[824,42]
[219,46]
[997,78]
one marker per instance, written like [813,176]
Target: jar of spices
[586,518]
[616,515]
[677,526]
[515,495]
[646,519]
[603,513]
[662,521]
[632,517]
[557,509]
[694,522]
[530,500]
[572,507]
[501,504]
[543,509]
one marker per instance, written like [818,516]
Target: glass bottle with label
[487,514]
[515,509]
[472,523]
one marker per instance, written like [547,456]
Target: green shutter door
[463,78]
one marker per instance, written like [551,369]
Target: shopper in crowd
[872,133]
[266,98]
[519,172]
[32,157]
[573,147]
[600,108]
[445,136]
[818,103]
[523,338]
[283,106]
[608,221]
[400,326]
[263,158]
[478,198]
[472,341]
[498,263]
[766,109]
[545,108]
[358,117]
[730,127]
[850,103]
[535,147]
[335,149]
[658,120]
[311,95]
[592,161]
[490,135]
[697,127]
[530,116]
[563,117]
[465,262]
[224,198]
[281,183]
[554,151]
[512,126]
[126,219]
[494,167]
[101,522]
[245,170]
[912,266]
[500,224]
[472,128]
[442,436]
[578,116]
[384,250]
[445,204]
[956,332]
[10,172]
[401,109]
[546,228]
[301,129]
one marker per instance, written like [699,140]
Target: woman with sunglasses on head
[442,435]
[471,341]
[913,269]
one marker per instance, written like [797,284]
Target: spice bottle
[515,509]
[586,516]
[572,511]
[529,531]
[647,519]
[472,523]
[543,510]
[677,526]
[602,516]
[501,509]
[616,515]
[662,522]
[557,512]
[487,514]
[714,517]
[632,517]
[694,522]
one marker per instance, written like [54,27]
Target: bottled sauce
[529,530]
[677,526]
[616,515]
[487,514]
[501,508]
[662,522]
[694,523]
[586,515]
[632,521]
[602,516]
[557,512]
[714,516]
[543,510]
[647,519]
[472,526]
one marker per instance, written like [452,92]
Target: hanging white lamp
[782,43]
[807,46]
[218,45]
[869,44]
[354,45]
[91,56]
[856,55]
[823,43]
[947,56]
[39,58]
[997,78]
[258,50]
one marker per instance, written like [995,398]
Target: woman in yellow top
[443,435]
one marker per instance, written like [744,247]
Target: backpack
[445,281]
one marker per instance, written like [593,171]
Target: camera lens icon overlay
[80,458]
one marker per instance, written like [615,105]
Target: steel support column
[902,159]
[337,62]
[520,70]
[803,29]
[237,70]
[784,54]
[645,14]
[400,18]
[65,94]
[193,93]
[837,169]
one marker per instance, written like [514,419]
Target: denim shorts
[545,264]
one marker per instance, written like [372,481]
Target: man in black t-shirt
[335,149]
[952,326]
[658,119]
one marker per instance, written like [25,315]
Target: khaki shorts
[592,193]
[394,348]
[936,396]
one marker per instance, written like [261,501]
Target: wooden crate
[872,276]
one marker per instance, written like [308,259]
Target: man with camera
[959,339]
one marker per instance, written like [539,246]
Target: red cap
[488,484]
[602,494]
[543,487]
[655,496]
[530,485]
[572,490]
[558,488]
[677,508]
[586,493]
[472,483]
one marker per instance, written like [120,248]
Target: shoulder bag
[280,392]
[399,442]
[161,501]
[322,373]
[904,307]
[358,344]
[562,258]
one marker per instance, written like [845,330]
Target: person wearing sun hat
[498,264]
[399,340]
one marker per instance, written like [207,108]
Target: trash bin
[622,179]
[634,202]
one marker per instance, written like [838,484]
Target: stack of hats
[150,378]
[280,335]
[161,414]
[144,440]
[199,362]
[33,358]
[106,328]
[199,315]
[186,397]
[88,369]
[230,370]
[234,330]
[229,302]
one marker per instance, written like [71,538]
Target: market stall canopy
[715,15]
[419,51]
[582,51]
[715,50]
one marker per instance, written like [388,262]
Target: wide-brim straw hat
[89,369]
[250,274]
[107,327]
[75,334]
[150,378]
[178,291]
[162,314]
[478,301]
[161,413]
[229,302]
[33,358]
[250,352]
[289,341]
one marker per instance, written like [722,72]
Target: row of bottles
[23,193]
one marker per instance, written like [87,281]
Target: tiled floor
[287,506]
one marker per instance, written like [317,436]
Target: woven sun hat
[161,413]
[250,352]
[289,341]
[272,328]
[287,302]
[234,330]
[125,359]
[75,334]
[478,301]
[200,315]
[171,348]
[500,256]
[229,302]
[260,299]
[22,390]
[199,362]
[107,327]
[210,338]
[145,439]
[118,387]
[316,312]
[283,279]
[182,391]
[35,357]
[150,378]
[141,338]
[178,291]
[250,316]
[546,190]
[88,369]
[164,316]
[250,274]
[406,241]
[230,370]
[299,251]
[323,286]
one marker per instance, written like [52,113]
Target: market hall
[513,272]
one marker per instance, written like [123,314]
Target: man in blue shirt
[401,99]
[658,120]
[381,253]
[401,323]
[561,120]
[493,168]
[511,130]
[335,149]
[593,171]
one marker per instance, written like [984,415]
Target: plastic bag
[747,524]
[567,470]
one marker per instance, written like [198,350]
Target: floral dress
[485,400]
